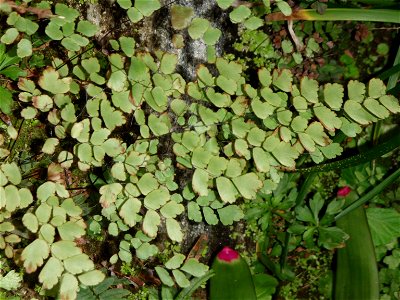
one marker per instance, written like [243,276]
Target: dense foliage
[153,151]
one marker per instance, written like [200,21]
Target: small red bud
[227,254]
[344,191]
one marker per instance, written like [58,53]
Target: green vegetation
[113,163]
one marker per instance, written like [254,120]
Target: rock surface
[155,32]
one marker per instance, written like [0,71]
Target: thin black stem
[15,141]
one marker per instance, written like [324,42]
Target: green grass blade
[340,14]
[358,159]
[277,271]
[392,81]
[377,3]
[388,73]
[368,196]
[395,90]
[356,275]
[186,293]
[308,182]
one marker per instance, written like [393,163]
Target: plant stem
[392,81]
[194,285]
[358,159]
[376,131]
[15,141]
[371,194]
[340,14]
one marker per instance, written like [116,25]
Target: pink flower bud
[343,192]
[227,254]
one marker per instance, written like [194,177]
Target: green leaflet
[181,16]
[11,281]
[50,81]
[200,182]
[198,27]
[383,224]
[239,14]
[34,254]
